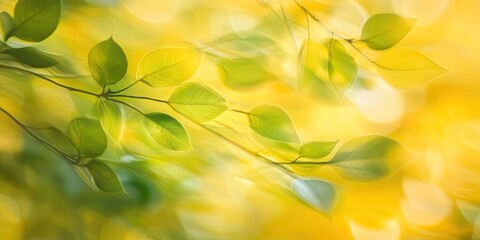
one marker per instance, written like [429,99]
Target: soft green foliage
[320,195]
[168,66]
[167,131]
[385,30]
[197,102]
[407,67]
[104,177]
[364,158]
[316,149]
[341,67]
[32,57]
[244,45]
[107,62]
[273,123]
[111,119]
[35,20]
[245,73]
[6,22]
[87,136]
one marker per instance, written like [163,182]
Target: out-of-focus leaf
[197,102]
[318,194]
[104,177]
[384,30]
[407,68]
[245,73]
[273,123]
[111,118]
[341,67]
[87,136]
[364,158]
[35,20]
[107,62]
[7,23]
[241,46]
[168,66]
[32,57]
[85,175]
[167,131]
[316,149]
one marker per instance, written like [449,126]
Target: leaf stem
[125,88]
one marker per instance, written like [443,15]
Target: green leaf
[167,131]
[318,194]
[104,177]
[87,136]
[364,158]
[111,118]
[168,66]
[107,62]
[7,23]
[32,57]
[341,67]
[35,20]
[242,45]
[317,149]
[384,30]
[273,123]
[197,102]
[245,73]
[407,68]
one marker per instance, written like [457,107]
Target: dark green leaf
[167,131]
[384,30]
[168,66]
[364,158]
[273,123]
[35,20]
[316,149]
[107,62]
[245,73]
[32,57]
[197,102]
[104,177]
[318,194]
[7,23]
[87,136]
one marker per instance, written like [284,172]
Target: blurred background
[218,191]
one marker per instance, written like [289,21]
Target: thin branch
[138,97]
[125,88]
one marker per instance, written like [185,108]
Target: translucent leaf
[35,20]
[341,67]
[111,118]
[85,175]
[87,136]
[168,66]
[32,57]
[167,131]
[316,149]
[320,195]
[245,73]
[364,158]
[407,68]
[7,23]
[273,123]
[107,62]
[248,45]
[197,102]
[104,177]
[384,30]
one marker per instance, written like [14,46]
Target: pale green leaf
[242,45]
[341,67]
[197,102]
[364,158]
[168,66]
[407,68]
[87,136]
[32,57]
[318,194]
[316,149]
[384,30]
[85,175]
[273,123]
[104,177]
[111,119]
[35,20]
[167,131]
[245,73]
[7,23]
[107,62]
